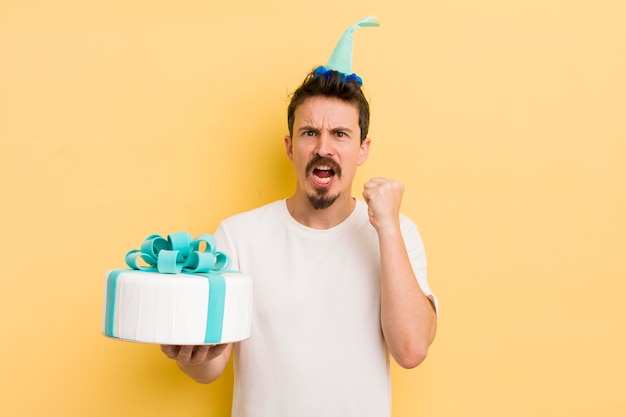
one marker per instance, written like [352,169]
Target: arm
[203,363]
[408,317]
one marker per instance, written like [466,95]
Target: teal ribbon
[175,255]
[179,254]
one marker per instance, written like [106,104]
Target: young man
[339,283]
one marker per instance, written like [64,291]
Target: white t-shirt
[316,347]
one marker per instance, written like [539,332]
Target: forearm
[408,317]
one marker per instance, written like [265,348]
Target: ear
[289,147]
[364,151]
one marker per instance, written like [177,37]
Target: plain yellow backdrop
[504,119]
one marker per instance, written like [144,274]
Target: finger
[217,350]
[376,181]
[375,184]
[171,351]
[184,353]
[371,191]
[370,184]
[199,354]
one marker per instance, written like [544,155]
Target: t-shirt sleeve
[417,256]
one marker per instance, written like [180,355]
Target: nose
[325,146]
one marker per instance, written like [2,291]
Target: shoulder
[252,219]
[245,228]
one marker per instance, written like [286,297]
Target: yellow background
[505,120]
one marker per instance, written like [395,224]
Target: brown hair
[331,84]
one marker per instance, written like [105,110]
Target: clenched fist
[383,197]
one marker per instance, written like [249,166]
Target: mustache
[322,160]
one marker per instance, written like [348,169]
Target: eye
[309,133]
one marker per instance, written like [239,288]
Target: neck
[303,212]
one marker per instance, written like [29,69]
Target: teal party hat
[341,58]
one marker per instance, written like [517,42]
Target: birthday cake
[181,294]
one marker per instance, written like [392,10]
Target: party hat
[341,58]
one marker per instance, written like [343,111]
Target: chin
[322,200]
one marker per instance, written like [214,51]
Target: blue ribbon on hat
[178,254]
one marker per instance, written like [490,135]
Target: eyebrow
[308,128]
[314,129]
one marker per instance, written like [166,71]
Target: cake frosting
[182,294]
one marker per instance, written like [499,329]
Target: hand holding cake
[203,363]
[193,354]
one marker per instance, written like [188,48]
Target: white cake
[183,293]
[177,309]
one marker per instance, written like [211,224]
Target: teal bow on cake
[179,254]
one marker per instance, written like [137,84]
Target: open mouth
[323,174]
[323,170]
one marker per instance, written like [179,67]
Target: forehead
[321,110]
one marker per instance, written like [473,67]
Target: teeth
[325,179]
[322,180]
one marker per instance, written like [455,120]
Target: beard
[320,198]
